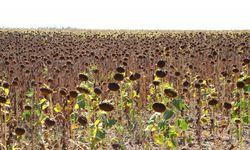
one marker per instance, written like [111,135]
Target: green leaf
[120,129]
[26,114]
[80,97]
[246,119]
[247,88]
[243,104]
[174,141]
[183,124]
[179,104]
[81,104]
[100,134]
[29,94]
[73,116]
[162,125]
[172,132]
[110,122]
[168,114]
[189,139]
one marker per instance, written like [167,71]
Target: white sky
[127,14]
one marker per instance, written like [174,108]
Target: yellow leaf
[206,133]
[153,129]
[7,91]
[4,111]
[159,139]
[94,132]
[97,122]
[42,101]
[39,122]
[8,101]
[157,78]
[75,126]
[8,118]
[76,106]
[45,106]
[134,93]
[151,90]
[58,108]
[95,103]
[205,111]
[169,143]
[194,94]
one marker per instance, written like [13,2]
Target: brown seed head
[106,107]
[82,120]
[19,131]
[113,86]
[159,107]
[170,92]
